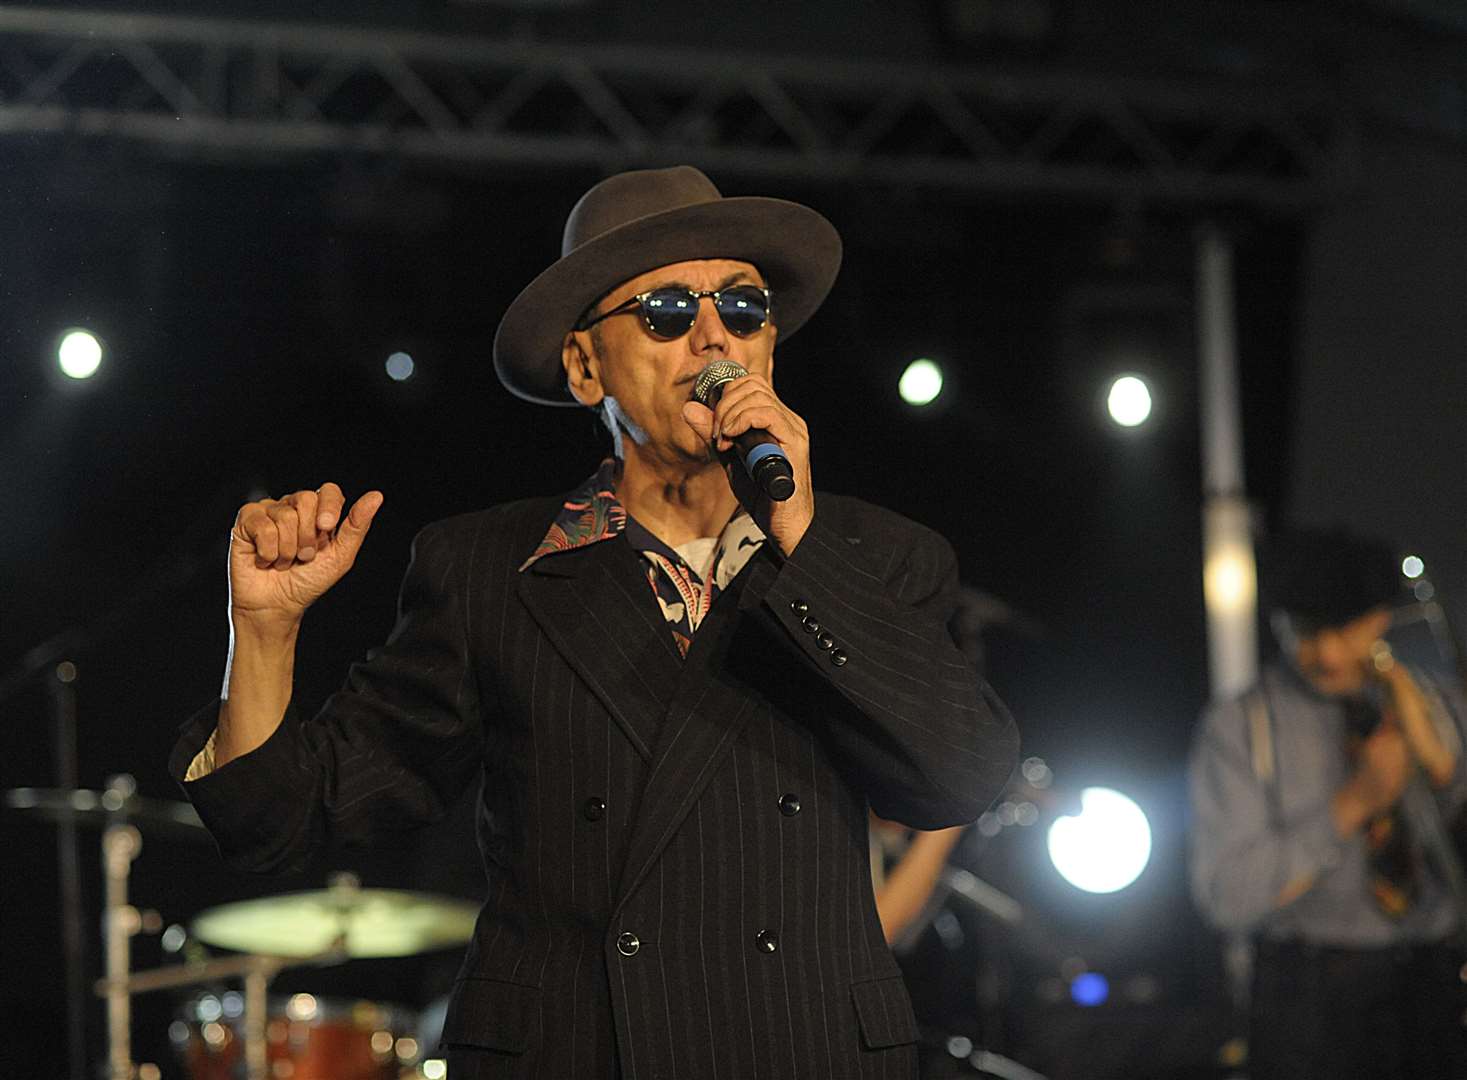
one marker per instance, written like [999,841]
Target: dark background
[247,309]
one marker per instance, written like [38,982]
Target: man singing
[679,707]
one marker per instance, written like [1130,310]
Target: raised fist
[285,553]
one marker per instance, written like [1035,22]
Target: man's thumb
[700,418]
[358,520]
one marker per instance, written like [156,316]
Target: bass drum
[307,1038]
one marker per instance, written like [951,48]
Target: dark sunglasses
[670,312]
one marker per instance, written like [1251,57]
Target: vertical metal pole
[1229,575]
[257,981]
[120,846]
[62,686]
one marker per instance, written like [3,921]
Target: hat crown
[626,197]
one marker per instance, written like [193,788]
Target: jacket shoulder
[507,529]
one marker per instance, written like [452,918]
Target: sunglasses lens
[670,312]
[744,309]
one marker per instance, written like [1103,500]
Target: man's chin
[1336,686]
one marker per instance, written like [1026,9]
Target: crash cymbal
[361,922]
[102,808]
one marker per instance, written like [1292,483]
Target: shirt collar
[592,513]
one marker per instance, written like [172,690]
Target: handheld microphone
[763,459]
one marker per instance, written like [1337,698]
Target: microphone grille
[713,375]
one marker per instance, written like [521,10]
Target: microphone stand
[62,687]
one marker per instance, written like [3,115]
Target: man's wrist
[265,629]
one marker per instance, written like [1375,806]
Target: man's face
[651,378]
[1336,659]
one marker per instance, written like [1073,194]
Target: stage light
[921,382]
[1103,848]
[435,1069]
[1129,401]
[79,353]
[400,367]
[1090,989]
[1413,567]
[1230,579]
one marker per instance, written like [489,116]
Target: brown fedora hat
[634,222]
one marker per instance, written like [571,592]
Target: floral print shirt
[685,580]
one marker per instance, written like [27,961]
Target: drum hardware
[117,803]
[363,923]
[121,844]
[319,928]
[308,1038]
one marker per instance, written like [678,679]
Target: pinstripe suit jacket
[676,849]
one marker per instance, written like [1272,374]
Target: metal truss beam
[270,90]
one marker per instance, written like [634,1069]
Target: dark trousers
[1358,1014]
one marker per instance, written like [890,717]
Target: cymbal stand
[120,846]
[256,982]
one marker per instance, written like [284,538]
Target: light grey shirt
[1252,836]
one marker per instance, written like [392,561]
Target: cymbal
[102,808]
[361,922]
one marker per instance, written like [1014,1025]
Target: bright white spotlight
[1129,401]
[1103,848]
[921,382]
[1413,567]
[400,367]
[79,354]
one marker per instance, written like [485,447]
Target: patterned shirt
[686,579]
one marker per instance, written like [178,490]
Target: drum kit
[253,1033]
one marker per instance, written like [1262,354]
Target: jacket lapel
[711,706]
[594,605]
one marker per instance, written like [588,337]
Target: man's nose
[1332,649]
[708,332]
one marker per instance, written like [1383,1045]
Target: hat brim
[796,250]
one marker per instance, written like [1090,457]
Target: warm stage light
[1413,567]
[1229,579]
[1103,848]
[921,382]
[400,367]
[79,353]
[1129,401]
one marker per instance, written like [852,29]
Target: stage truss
[267,91]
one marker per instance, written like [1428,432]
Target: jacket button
[799,607]
[810,624]
[593,809]
[765,941]
[627,943]
[789,804]
[839,658]
[824,641]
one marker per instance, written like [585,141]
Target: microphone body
[762,457]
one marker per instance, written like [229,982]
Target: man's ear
[581,370]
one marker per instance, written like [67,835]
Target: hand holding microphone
[760,452]
[740,415]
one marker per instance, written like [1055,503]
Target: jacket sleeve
[1241,859]
[390,750]
[930,742]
